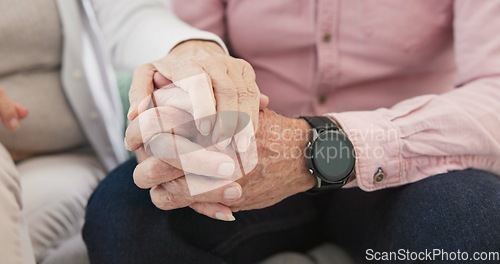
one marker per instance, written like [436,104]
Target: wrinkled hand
[11,112]
[231,88]
[182,166]
[281,170]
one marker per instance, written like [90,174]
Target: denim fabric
[459,210]
[456,210]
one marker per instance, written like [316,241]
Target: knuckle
[248,71]
[147,174]
[227,92]
[159,201]
[151,172]
[244,95]
[174,187]
[156,167]
[130,137]
[127,133]
[174,201]
[165,200]
[138,178]
[245,64]
[200,207]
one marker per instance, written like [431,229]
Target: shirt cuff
[377,144]
[196,35]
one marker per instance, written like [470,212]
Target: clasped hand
[201,144]
[184,168]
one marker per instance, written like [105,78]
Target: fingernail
[226,169]
[232,193]
[205,127]
[14,124]
[224,217]
[243,143]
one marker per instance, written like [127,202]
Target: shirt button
[327,37]
[322,99]
[379,176]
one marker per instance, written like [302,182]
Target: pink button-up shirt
[415,84]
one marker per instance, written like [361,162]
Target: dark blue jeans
[454,211]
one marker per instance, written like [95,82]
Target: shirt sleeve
[208,15]
[137,32]
[433,134]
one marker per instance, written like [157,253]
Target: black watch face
[333,155]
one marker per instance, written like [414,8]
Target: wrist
[302,163]
[303,135]
[285,139]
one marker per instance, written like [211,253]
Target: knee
[112,197]
[470,192]
[457,209]
[111,212]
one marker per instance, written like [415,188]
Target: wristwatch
[330,155]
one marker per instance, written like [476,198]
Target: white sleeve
[140,31]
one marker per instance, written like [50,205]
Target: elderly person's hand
[173,148]
[10,111]
[177,149]
[231,88]
[281,170]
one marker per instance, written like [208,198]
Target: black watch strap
[320,123]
